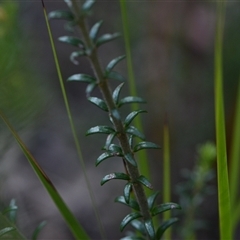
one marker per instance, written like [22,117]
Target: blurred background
[172,48]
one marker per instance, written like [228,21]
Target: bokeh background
[172,48]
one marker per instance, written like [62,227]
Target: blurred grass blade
[224,204]
[72,222]
[166,175]
[142,156]
[74,132]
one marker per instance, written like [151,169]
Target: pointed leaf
[113,63]
[82,78]
[76,54]
[152,199]
[6,230]
[72,41]
[88,5]
[135,132]
[100,129]
[130,217]
[130,140]
[132,203]
[116,93]
[103,157]
[145,145]
[121,176]
[164,207]
[109,140]
[130,159]
[145,182]
[61,14]
[150,229]
[131,99]
[165,226]
[106,38]
[113,148]
[115,76]
[99,103]
[131,116]
[127,192]
[38,230]
[138,225]
[94,30]
[90,88]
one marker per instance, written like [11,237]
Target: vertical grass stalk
[224,204]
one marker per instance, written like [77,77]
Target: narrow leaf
[88,5]
[135,132]
[150,229]
[115,76]
[113,148]
[139,226]
[164,207]
[38,230]
[90,88]
[99,103]
[127,192]
[100,129]
[82,78]
[131,99]
[106,38]
[134,237]
[152,199]
[116,93]
[61,14]
[121,176]
[145,182]
[145,145]
[6,230]
[130,159]
[94,30]
[72,41]
[130,217]
[132,203]
[76,54]
[104,156]
[165,226]
[131,116]
[109,140]
[113,63]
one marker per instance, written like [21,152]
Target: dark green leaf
[106,38]
[11,210]
[115,76]
[104,156]
[130,140]
[100,129]
[6,230]
[61,14]
[132,203]
[82,78]
[113,148]
[150,229]
[131,99]
[109,140]
[165,226]
[130,159]
[164,207]
[116,93]
[99,102]
[90,88]
[134,237]
[130,217]
[94,30]
[115,114]
[38,230]
[138,225]
[113,63]
[88,5]
[121,176]
[145,145]
[76,54]
[131,116]
[127,192]
[135,132]
[72,41]
[151,200]
[69,26]
[144,181]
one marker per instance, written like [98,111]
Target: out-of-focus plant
[195,189]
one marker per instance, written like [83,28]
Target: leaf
[104,156]
[165,226]
[135,132]
[61,14]
[164,207]
[109,140]
[138,225]
[132,203]
[82,78]
[72,41]
[141,179]
[12,210]
[130,159]
[100,129]
[88,5]
[150,229]
[99,103]
[121,176]
[90,88]
[130,140]
[131,116]
[116,93]
[6,230]
[134,237]
[127,192]
[113,148]
[130,99]
[76,54]
[130,217]
[115,114]
[113,63]
[145,145]
[106,38]
[94,30]
[38,230]
[151,200]
[115,76]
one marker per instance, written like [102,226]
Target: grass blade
[74,132]
[72,222]
[224,204]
